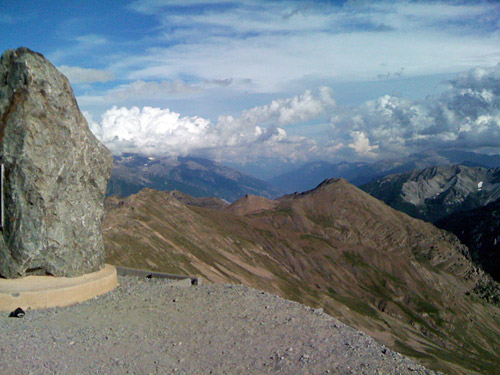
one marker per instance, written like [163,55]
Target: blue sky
[289,81]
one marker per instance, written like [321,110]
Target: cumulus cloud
[258,132]
[361,144]
[466,116]
[152,131]
[291,110]
[77,74]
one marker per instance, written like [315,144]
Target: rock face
[55,173]
[433,193]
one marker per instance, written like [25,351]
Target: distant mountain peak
[331,181]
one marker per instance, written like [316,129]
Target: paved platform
[39,292]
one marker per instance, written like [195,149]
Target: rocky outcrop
[55,173]
[251,204]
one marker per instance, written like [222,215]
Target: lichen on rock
[55,173]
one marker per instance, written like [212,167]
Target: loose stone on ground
[218,329]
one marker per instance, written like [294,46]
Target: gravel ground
[149,326]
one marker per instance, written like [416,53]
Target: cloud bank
[258,132]
[465,116]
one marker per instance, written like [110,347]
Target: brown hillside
[399,279]
[251,204]
[211,202]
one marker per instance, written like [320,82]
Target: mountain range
[463,200]
[197,177]
[433,193]
[201,177]
[311,174]
[408,284]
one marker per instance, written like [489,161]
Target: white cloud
[77,74]
[198,48]
[274,44]
[258,132]
[153,6]
[273,61]
[151,89]
[152,131]
[300,108]
[466,116]
[361,144]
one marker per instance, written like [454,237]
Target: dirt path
[147,326]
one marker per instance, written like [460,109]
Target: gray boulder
[55,173]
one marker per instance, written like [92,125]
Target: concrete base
[39,292]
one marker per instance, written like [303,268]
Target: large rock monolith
[55,173]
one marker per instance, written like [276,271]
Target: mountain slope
[251,204]
[433,193]
[479,229]
[403,281]
[194,176]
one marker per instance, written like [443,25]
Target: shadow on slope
[479,229]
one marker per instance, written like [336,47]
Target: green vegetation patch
[354,259]
[321,220]
[355,304]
